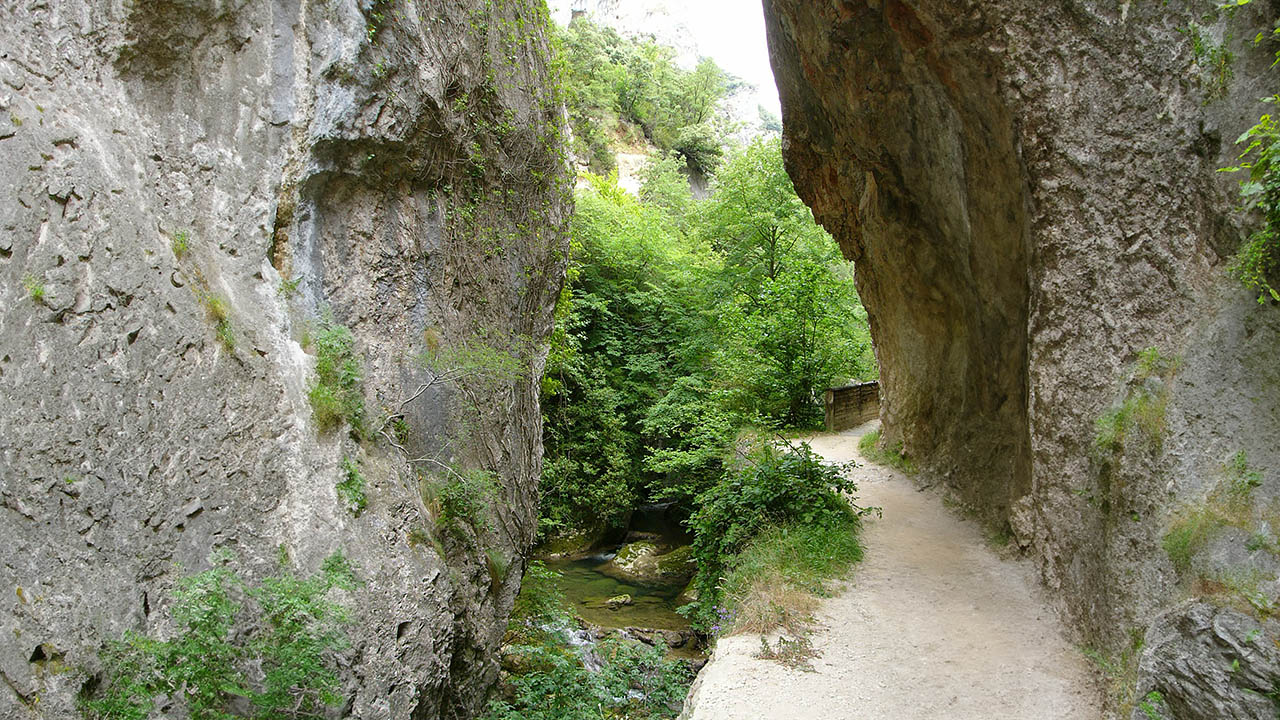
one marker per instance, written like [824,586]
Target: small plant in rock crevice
[35,288]
[335,394]
[219,311]
[1120,672]
[1213,60]
[289,288]
[1243,478]
[351,488]
[1140,416]
[180,244]
[1151,705]
[1230,505]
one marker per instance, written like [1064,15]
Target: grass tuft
[1230,505]
[775,582]
[1142,414]
[869,446]
[219,312]
[1121,672]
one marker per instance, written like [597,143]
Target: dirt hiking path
[932,624]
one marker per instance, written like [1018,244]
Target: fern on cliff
[1258,262]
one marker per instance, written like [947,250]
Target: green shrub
[774,488]
[552,683]
[465,497]
[351,488]
[273,644]
[634,682]
[869,446]
[335,394]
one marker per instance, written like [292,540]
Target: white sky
[731,32]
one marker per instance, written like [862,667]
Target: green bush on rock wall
[269,649]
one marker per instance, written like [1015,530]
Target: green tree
[627,329]
[613,83]
[794,323]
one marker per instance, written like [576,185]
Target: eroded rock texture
[397,166]
[1029,190]
[1204,663]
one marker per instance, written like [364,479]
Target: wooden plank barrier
[851,405]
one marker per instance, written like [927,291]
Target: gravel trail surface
[932,624]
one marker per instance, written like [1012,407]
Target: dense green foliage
[792,314]
[553,682]
[559,687]
[682,322]
[264,651]
[791,489]
[613,83]
[464,497]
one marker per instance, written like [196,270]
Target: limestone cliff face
[1029,192]
[396,166]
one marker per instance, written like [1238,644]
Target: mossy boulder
[646,563]
[571,546]
[688,595]
[618,601]
[677,565]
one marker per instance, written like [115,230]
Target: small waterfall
[583,642]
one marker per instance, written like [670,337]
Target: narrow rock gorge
[194,192]
[1030,193]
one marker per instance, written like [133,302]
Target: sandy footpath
[932,624]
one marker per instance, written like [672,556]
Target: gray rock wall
[1029,190]
[397,166]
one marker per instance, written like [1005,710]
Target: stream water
[653,605]
[586,587]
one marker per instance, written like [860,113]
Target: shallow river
[587,588]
